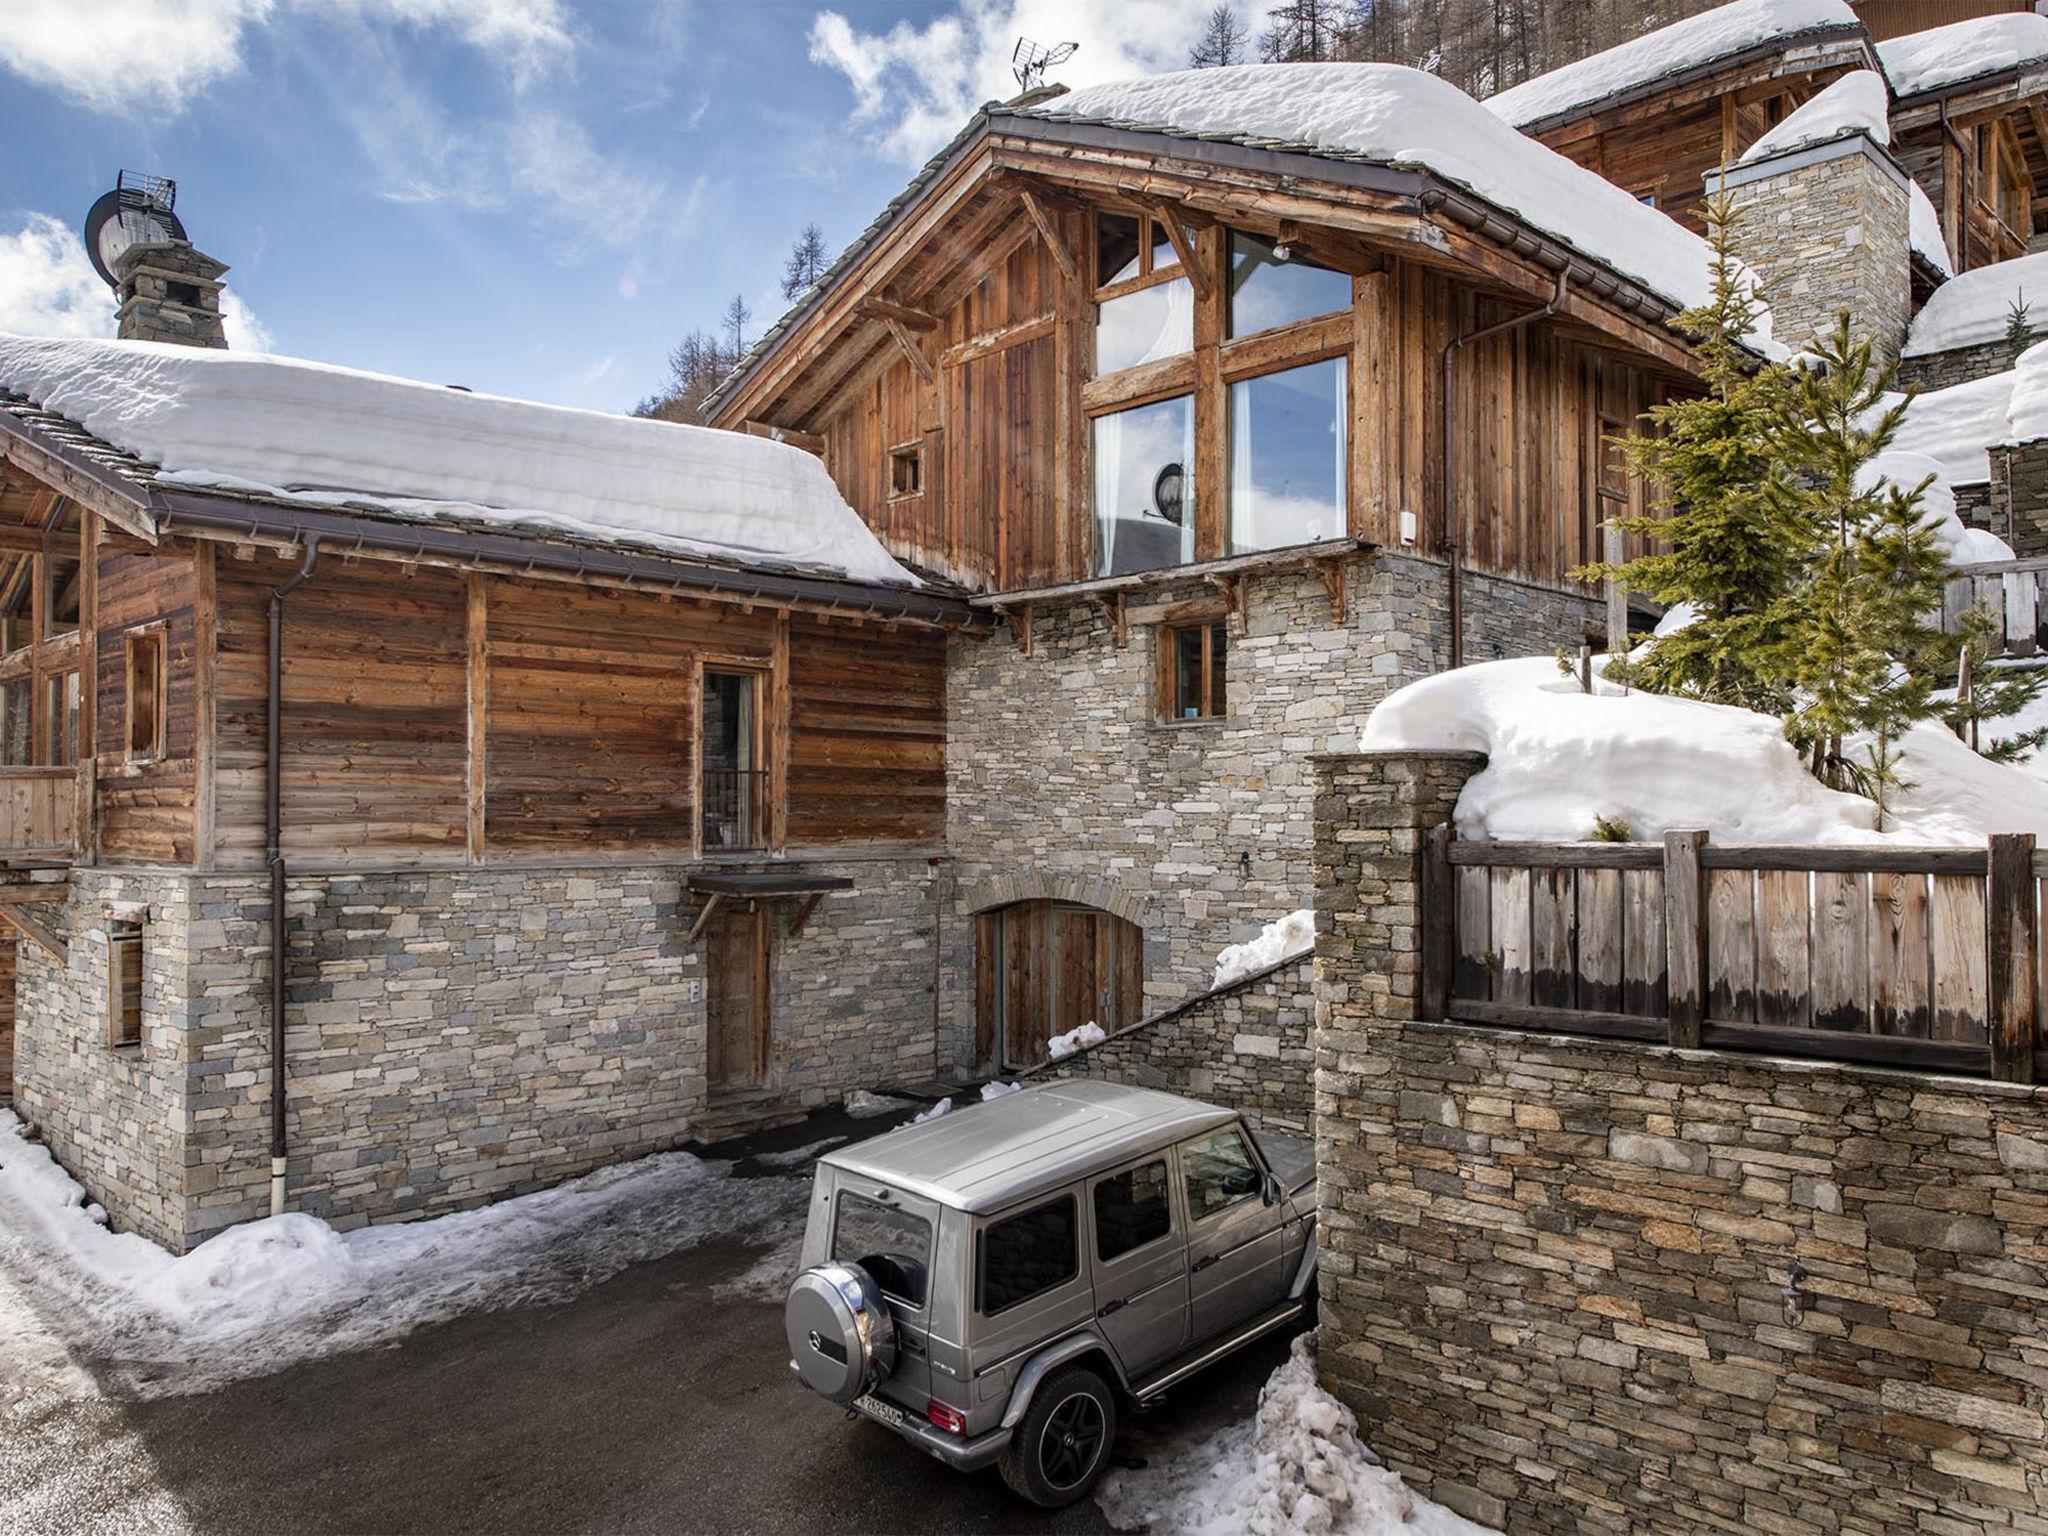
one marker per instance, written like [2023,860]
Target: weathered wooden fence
[1920,957]
[2010,591]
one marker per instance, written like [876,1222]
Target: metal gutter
[273,821]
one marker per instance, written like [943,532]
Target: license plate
[888,1413]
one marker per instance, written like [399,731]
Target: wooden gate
[736,996]
[1044,968]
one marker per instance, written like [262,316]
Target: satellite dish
[136,212]
[1169,493]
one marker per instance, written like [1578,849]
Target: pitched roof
[1963,52]
[1975,306]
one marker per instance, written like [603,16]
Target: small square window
[145,695]
[906,470]
[1191,666]
[124,984]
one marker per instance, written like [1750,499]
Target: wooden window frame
[1149,275]
[55,714]
[762,675]
[911,453]
[126,972]
[1208,618]
[151,637]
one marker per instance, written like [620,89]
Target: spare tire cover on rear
[841,1334]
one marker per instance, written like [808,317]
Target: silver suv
[998,1284]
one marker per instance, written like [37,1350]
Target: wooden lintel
[1050,234]
[1232,588]
[803,913]
[32,928]
[1112,605]
[40,893]
[906,315]
[1170,220]
[907,343]
[704,917]
[1332,572]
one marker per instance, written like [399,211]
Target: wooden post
[1685,936]
[1617,596]
[1438,920]
[2011,956]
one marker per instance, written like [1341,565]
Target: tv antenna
[138,211]
[1029,61]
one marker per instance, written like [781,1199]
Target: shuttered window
[124,984]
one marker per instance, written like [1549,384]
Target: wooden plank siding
[147,809]
[867,735]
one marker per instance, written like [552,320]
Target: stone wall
[2019,497]
[1585,1286]
[1825,227]
[1938,370]
[1063,783]
[1249,1045]
[453,1036]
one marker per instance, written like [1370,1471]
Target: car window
[1131,1210]
[1219,1172]
[894,1246]
[1025,1255]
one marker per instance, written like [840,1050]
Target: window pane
[1216,696]
[1219,1173]
[1024,1256]
[1187,674]
[1145,326]
[1163,253]
[1287,457]
[894,1246]
[1131,1210]
[1116,248]
[1266,291]
[1144,493]
[733,782]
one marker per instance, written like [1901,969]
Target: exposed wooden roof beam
[903,314]
[907,344]
[1169,219]
[1049,232]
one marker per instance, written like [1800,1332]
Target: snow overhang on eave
[2012,75]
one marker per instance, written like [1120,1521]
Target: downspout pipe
[274,856]
[1452,549]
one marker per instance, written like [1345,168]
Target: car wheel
[1062,1445]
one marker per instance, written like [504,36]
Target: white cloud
[48,288]
[915,86]
[527,35]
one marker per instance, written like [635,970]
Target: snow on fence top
[1974,307]
[1690,44]
[1857,103]
[311,432]
[1923,230]
[1956,426]
[1391,115]
[1964,50]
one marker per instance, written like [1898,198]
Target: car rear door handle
[1204,1262]
[1114,1306]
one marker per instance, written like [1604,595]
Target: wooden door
[736,996]
[1025,1010]
[1079,978]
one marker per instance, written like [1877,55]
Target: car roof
[989,1155]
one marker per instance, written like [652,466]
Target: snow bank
[863,1105]
[1684,45]
[1558,760]
[1955,427]
[1856,103]
[1974,307]
[335,436]
[1298,1468]
[1923,230]
[1396,116]
[1077,1039]
[1963,50]
[268,1293]
[2026,414]
[1294,934]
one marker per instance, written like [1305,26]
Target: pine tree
[1987,693]
[2019,328]
[807,262]
[1222,41]
[1301,31]
[1729,545]
[733,322]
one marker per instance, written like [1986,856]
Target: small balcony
[38,815]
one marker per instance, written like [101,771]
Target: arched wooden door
[1045,968]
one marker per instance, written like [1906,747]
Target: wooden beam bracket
[1176,232]
[704,916]
[803,913]
[1019,620]
[1112,605]
[32,928]
[1049,232]
[1231,585]
[910,349]
[908,316]
[1332,571]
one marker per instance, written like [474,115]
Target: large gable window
[1145,308]
[1144,487]
[1287,450]
[1268,289]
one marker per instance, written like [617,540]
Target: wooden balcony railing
[38,812]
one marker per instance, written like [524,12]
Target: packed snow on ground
[1282,939]
[1078,1038]
[1974,307]
[1923,230]
[1403,117]
[1559,760]
[313,432]
[1963,50]
[1856,103]
[269,1293]
[1297,1469]
[1689,44]
[1955,427]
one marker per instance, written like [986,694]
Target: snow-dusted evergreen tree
[1729,544]
[1222,41]
[807,262]
[1304,30]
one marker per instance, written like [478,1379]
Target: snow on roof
[1923,230]
[1392,115]
[1974,307]
[1859,102]
[1558,760]
[1684,45]
[1964,50]
[1956,426]
[311,432]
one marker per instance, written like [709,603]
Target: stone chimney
[1824,226]
[168,291]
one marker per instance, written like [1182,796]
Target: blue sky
[536,197]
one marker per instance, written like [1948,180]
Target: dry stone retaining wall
[1959,365]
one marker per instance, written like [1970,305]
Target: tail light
[946,1417]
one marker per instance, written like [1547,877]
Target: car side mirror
[1270,1191]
